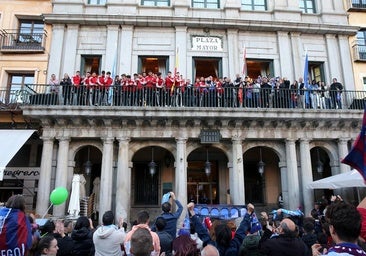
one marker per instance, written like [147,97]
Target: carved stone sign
[207,43]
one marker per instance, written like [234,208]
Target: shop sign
[207,43]
[22,172]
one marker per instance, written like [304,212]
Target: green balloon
[59,195]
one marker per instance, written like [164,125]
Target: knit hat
[255,227]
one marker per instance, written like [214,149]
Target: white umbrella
[343,180]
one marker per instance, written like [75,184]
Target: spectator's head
[48,245]
[308,225]
[143,217]
[48,228]
[108,218]
[210,250]
[68,226]
[16,202]
[160,224]
[166,207]
[184,246]
[141,242]
[82,222]
[287,227]
[344,222]
[223,234]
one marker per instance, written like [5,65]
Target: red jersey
[76,80]
[159,82]
[150,81]
[169,82]
[108,81]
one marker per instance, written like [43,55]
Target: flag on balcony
[244,71]
[356,158]
[175,68]
[306,71]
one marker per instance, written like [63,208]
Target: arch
[330,148]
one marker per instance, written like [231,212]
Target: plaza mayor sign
[207,43]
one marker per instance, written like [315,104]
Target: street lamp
[319,164]
[88,164]
[207,165]
[261,164]
[152,164]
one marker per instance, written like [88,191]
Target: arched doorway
[207,176]
[320,165]
[262,177]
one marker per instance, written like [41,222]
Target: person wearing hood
[82,235]
[108,238]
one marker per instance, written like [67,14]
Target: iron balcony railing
[359,52]
[356,4]
[227,97]
[16,41]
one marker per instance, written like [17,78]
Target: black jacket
[283,245]
[65,245]
[83,242]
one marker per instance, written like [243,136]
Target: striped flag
[244,72]
[175,68]
[356,158]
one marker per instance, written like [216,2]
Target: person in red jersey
[76,81]
[86,89]
[150,87]
[108,82]
[94,91]
[169,81]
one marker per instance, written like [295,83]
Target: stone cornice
[224,118]
[194,22]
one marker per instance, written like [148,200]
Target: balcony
[228,97]
[356,5]
[12,41]
[359,52]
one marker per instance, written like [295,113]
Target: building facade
[357,14]
[208,154]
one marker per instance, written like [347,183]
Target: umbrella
[343,180]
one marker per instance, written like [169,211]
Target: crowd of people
[334,228]
[152,89]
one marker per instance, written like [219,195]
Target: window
[359,3]
[101,2]
[155,2]
[31,31]
[90,63]
[19,83]
[251,5]
[361,44]
[307,6]
[214,4]
[154,64]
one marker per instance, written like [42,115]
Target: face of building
[208,145]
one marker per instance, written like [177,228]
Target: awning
[343,180]
[10,142]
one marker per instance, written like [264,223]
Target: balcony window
[361,45]
[155,2]
[97,2]
[254,5]
[30,31]
[307,6]
[359,3]
[18,87]
[212,4]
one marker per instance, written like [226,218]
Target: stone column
[62,172]
[181,43]
[347,64]
[112,49]
[181,176]
[71,43]
[44,183]
[233,49]
[237,190]
[106,179]
[123,186]
[125,60]
[284,184]
[342,153]
[292,175]
[284,47]
[334,59]
[55,59]
[306,175]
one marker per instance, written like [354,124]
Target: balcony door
[18,82]
[205,67]
[90,63]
